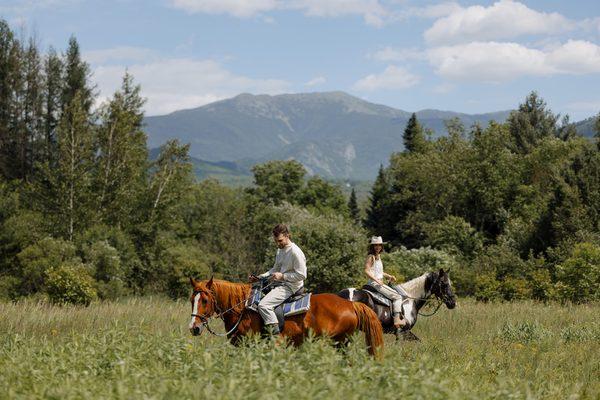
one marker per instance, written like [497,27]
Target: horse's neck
[416,287]
[229,295]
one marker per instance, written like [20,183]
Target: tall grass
[140,348]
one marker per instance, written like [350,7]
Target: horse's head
[442,289]
[203,304]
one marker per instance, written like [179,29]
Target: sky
[465,56]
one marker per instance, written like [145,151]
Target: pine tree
[53,69]
[531,123]
[376,218]
[353,207]
[76,79]
[11,147]
[123,154]
[33,107]
[414,136]
[597,134]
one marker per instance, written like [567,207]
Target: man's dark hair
[281,229]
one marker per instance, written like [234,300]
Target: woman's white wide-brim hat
[377,240]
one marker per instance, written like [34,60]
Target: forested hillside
[513,208]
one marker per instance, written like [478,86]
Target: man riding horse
[289,272]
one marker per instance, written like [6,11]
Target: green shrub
[515,288]
[70,283]
[9,287]
[487,288]
[38,258]
[408,264]
[542,287]
[579,275]
[180,262]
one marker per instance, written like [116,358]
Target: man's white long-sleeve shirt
[291,262]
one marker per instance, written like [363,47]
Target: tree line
[86,214]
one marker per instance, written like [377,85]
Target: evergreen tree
[76,79]
[376,218]
[122,157]
[531,123]
[597,134]
[33,108]
[414,136]
[10,89]
[52,92]
[353,207]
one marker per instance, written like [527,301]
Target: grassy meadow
[140,348]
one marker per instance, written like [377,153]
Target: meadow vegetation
[140,348]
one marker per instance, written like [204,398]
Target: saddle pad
[378,297]
[297,305]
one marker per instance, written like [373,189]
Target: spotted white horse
[416,293]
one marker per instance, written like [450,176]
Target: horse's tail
[370,325]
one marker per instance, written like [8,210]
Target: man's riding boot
[271,330]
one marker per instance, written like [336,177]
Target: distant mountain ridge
[332,134]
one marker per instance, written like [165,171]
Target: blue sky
[467,56]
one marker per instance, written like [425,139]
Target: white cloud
[373,12]
[237,8]
[319,80]
[576,57]
[392,54]
[173,84]
[502,20]
[391,78]
[500,62]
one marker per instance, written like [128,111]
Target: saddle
[297,303]
[381,299]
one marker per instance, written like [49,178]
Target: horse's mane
[415,287]
[230,294]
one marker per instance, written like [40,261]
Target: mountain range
[333,134]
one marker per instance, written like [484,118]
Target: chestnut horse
[329,315]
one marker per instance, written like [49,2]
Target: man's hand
[278,276]
[252,278]
[392,278]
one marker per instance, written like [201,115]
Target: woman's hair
[371,250]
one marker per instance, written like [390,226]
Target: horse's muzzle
[196,330]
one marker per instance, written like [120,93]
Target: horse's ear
[192,282]
[209,283]
[442,272]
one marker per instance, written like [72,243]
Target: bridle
[440,298]
[205,318]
